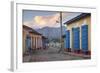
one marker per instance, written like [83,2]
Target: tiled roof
[31,30]
[82,15]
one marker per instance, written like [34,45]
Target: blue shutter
[28,42]
[76,38]
[67,39]
[65,42]
[84,37]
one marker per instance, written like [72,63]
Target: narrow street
[50,54]
[51,31]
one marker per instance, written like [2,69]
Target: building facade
[31,39]
[78,34]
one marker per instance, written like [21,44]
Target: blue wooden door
[28,42]
[76,38]
[67,39]
[84,37]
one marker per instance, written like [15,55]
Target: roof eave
[77,18]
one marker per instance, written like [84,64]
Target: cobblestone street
[50,54]
[54,37]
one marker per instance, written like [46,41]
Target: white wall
[5,35]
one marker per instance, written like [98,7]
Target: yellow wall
[79,23]
[24,37]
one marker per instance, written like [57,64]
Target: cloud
[31,24]
[49,21]
[43,21]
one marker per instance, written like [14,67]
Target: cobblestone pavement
[50,54]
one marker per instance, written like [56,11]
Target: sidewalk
[78,55]
[52,54]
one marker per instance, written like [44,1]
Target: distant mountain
[51,32]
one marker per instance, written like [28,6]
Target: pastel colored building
[32,39]
[78,34]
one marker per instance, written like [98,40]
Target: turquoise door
[76,38]
[84,37]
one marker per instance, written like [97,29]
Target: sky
[40,19]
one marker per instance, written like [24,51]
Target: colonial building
[78,34]
[32,39]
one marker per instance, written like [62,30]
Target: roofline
[35,32]
[82,15]
[24,26]
[32,30]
